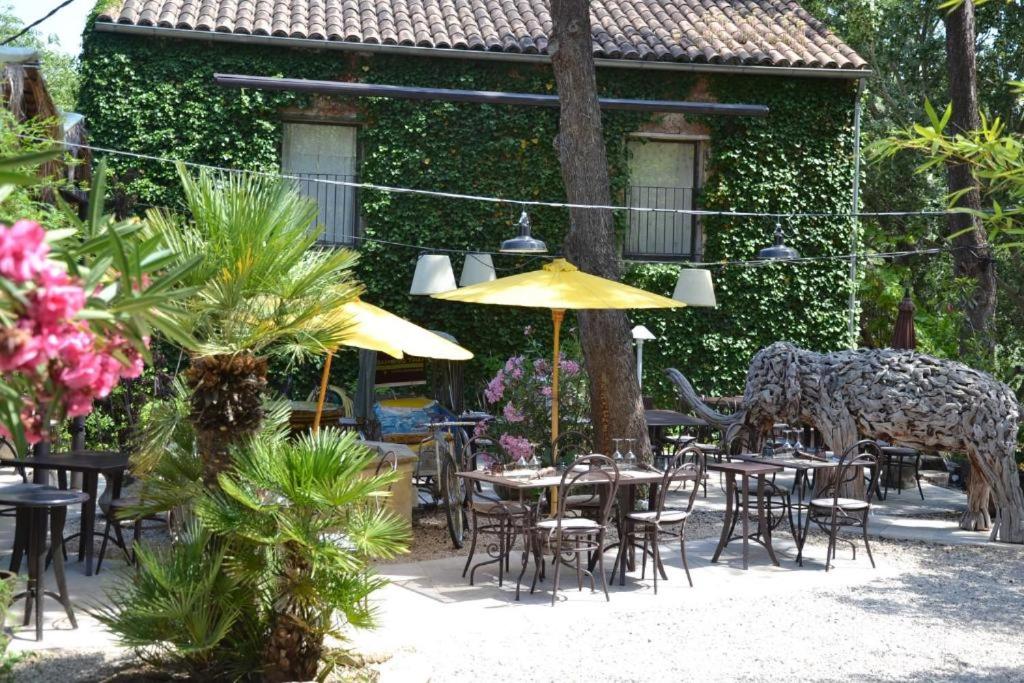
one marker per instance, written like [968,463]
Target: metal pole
[478,96]
[855,223]
[640,362]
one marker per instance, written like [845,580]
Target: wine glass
[630,455]
[617,455]
[785,435]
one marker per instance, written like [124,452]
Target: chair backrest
[598,471]
[388,463]
[569,446]
[483,451]
[865,453]
[689,461]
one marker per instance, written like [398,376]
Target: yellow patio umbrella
[559,285]
[375,329]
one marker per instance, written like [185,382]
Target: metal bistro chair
[662,522]
[693,454]
[832,510]
[490,516]
[566,535]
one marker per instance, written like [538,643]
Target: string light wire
[391,189]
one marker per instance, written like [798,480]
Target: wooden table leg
[764,527]
[730,491]
[746,521]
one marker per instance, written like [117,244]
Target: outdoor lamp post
[477,268]
[433,275]
[695,288]
[640,335]
[523,243]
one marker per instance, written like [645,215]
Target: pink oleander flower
[545,392]
[50,305]
[516,447]
[514,367]
[570,368]
[23,251]
[512,414]
[32,422]
[541,367]
[528,331]
[480,429]
[495,388]
[20,349]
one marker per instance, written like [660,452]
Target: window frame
[700,143]
[358,225]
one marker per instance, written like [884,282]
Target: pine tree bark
[972,256]
[615,402]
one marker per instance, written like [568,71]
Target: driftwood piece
[899,396]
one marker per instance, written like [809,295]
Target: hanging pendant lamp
[433,275]
[778,251]
[523,243]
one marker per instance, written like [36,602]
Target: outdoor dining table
[658,420]
[629,479]
[40,504]
[91,464]
[745,470]
[801,466]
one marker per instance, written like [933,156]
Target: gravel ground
[928,613]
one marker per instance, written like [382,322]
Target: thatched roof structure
[23,92]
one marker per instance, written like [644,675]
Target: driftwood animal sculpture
[900,396]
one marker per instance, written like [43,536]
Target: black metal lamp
[523,243]
[778,251]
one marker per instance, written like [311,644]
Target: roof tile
[749,32]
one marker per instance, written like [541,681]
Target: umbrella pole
[323,392]
[557,315]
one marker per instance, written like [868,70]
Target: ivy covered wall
[157,97]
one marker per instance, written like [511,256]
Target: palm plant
[300,518]
[262,287]
[181,607]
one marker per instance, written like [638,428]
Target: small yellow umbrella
[375,329]
[559,285]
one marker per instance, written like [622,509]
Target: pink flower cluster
[495,388]
[569,367]
[516,447]
[65,365]
[512,414]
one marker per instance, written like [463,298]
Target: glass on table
[630,455]
[617,455]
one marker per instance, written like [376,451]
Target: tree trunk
[226,406]
[293,650]
[977,516]
[616,407]
[972,256]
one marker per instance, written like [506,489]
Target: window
[663,174]
[316,152]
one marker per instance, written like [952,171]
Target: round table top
[80,461]
[671,418]
[39,496]
[898,450]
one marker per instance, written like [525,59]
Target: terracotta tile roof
[749,32]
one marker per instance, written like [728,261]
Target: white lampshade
[694,287]
[641,333]
[476,269]
[433,275]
